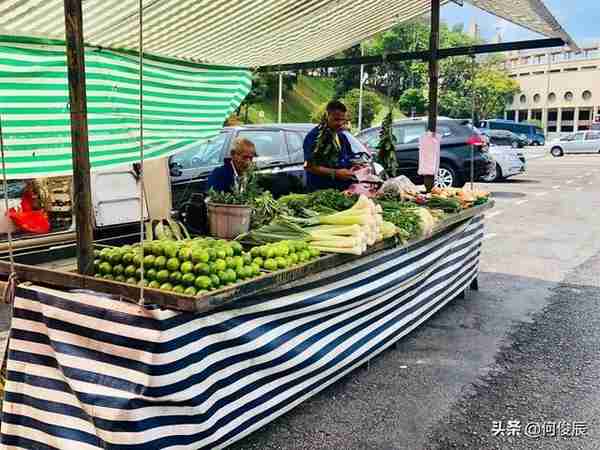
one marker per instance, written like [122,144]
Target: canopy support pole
[360,89]
[79,136]
[280,98]
[434,69]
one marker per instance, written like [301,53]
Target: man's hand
[344,174]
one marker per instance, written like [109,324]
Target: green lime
[162,276]
[281,262]
[118,270]
[313,252]
[247,257]
[200,255]
[120,278]
[185,254]
[222,277]
[108,276]
[293,259]
[202,269]
[255,269]
[212,253]
[147,247]
[216,281]
[188,279]
[105,268]
[175,277]
[220,265]
[154,284]
[97,254]
[131,280]
[187,267]
[115,257]
[237,248]
[157,249]
[172,264]
[137,260]
[221,253]
[304,255]
[231,275]
[270,253]
[149,261]
[240,273]
[270,264]
[248,271]
[105,254]
[230,261]
[255,252]
[97,263]
[190,290]
[229,250]
[170,250]
[129,271]
[166,287]
[203,282]
[258,261]
[238,261]
[127,259]
[179,289]
[150,274]
[160,262]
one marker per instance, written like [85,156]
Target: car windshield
[357,146]
[207,154]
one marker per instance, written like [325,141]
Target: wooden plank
[265,283]
[82,191]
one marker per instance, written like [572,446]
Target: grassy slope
[308,94]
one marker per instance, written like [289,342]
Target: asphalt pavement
[513,366]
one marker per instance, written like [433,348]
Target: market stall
[134,359]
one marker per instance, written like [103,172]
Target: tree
[413,98]
[491,87]
[371,107]
[347,77]
[258,93]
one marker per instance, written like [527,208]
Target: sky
[580,18]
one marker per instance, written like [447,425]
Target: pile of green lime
[283,255]
[189,267]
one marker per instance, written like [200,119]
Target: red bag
[27,219]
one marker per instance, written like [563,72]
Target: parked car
[580,142]
[532,133]
[504,137]
[280,158]
[455,153]
[510,161]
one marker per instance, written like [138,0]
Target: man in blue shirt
[324,177]
[223,178]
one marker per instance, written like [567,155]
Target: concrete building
[558,87]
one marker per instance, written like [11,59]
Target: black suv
[280,159]
[455,154]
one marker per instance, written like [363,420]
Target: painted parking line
[489,236]
[541,194]
[569,181]
[579,176]
[493,214]
[556,187]
[521,202]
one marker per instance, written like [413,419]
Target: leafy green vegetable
[244,191]
[449,205]
[405,218]
[264,210]
[386,149]
[327,148]
[332,199]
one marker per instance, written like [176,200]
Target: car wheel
[494,175]
[556,152]
[446,177]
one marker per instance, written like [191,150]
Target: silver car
[579,142]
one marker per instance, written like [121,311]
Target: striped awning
[246,32]
[184,105]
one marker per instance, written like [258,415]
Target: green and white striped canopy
[184,104]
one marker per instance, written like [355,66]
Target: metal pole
[472,120]
[280,100]
[434,68]
[79,136]
[360,89]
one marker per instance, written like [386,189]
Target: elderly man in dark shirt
[223,178]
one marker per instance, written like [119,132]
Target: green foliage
[535,122]
[413,98]
[386,150]
[371,106]
[347,77]
[491,87]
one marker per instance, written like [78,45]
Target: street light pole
[280,98]
[360,89]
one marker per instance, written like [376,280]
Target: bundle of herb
[327,148]
[386,149]
[245,190]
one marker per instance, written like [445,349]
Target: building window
[523,98]
[569,96]
[568,55]
[537,98]
[551,97]
[587,95]
[510,99]
[555,57]
[510,115]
